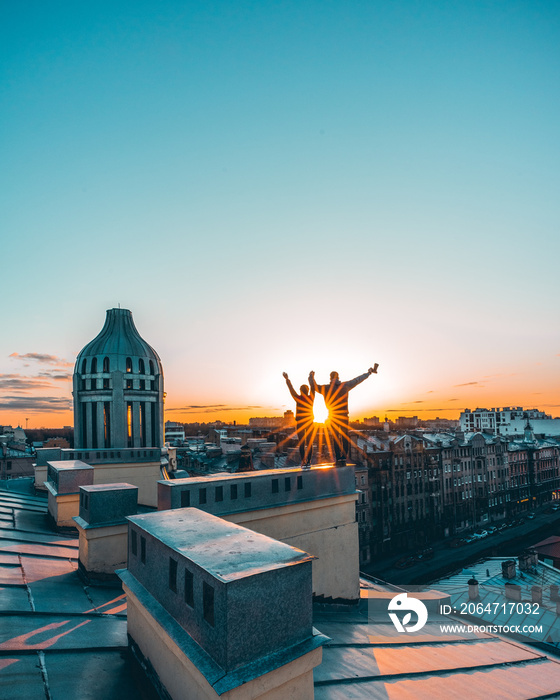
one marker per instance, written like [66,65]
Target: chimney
[473,589]
[534,557]
[524,561]
[536,595]
[508,569]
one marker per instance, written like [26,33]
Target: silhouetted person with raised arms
[336,401]
[304,419]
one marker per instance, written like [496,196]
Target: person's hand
[285,375]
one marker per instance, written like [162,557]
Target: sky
[283,186]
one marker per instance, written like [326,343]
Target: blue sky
[285,186]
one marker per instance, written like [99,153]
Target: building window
[173,574]
[189,588]
[247,489]
[274,485]
[129,383]
[219,493]
[233,492]
[94,365]
[133,542]
[300,482]
[201,497]
[287,483]
[142,549]
[84,366]
[106,384]
[128,364]
[185,499]
[106,366]
[141,367]
[151,367]
[208,603]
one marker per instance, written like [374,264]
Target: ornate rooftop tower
[118,389]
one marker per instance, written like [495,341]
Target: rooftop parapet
[224,494]
[101,456]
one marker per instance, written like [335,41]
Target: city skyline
[276,188]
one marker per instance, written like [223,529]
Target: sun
[320,412]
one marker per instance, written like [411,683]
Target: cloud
[399,410]
[213,408]
[42,358]
[57,375]
[467,384]
[42,404]
[16,382]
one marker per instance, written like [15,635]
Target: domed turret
[118,389]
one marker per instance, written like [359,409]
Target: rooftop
[51,622]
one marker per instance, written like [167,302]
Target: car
[502,526]
[555,507]
[456,542]
[426,553]
[492,530]
[471,538]
[531,516]
[480,534]
[405,562]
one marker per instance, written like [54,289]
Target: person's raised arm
[290,387]
[358,380]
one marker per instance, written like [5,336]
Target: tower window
[151,367]
[107,423]
[106,364]
[141,367]
[94,365]
[129,364]
[84,366]
[129,423]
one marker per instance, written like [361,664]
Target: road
[508,543]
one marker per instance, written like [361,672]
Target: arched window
[128,364]
[106,364]
[84,365]
[141,367]
[94,365]
[151,367]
